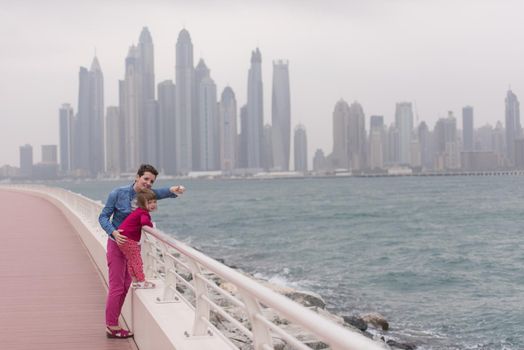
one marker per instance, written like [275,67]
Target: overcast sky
[441,55]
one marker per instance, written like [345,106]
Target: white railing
[192,277]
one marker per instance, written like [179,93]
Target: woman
[118,206]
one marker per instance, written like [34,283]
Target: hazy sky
[439,54]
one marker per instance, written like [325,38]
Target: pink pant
[135,266]
[119,282]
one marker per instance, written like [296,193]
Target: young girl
[132,229]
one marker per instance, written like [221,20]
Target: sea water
[442,258]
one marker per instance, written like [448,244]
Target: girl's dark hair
[143,196]
[146,168]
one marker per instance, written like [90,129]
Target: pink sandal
[118,333]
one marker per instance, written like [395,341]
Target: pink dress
[132,229]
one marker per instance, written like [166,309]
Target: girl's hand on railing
[178,189]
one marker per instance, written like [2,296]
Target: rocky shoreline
[372,325]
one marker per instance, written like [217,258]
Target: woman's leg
[119,282]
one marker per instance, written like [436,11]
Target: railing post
[261,333]
[169,294]
[147,257]
[202,307]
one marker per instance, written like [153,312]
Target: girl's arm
[145,220]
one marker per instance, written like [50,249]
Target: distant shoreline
[279,176]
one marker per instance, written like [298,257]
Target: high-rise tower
[148,108]
[255,111]
[66,122]
[376,142]
[339,157]
[242,138]
[166,112]
[89,129]
[146,55]
[300,148]
[404,124]
[184,102]
[113,143]
[356,137]
[97,110]
[26,161]
[281,115]
[467,128]
[208,124]
[513,128]
[132,111]
[197,124]
[228,129]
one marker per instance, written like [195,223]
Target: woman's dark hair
[146,168]
[144,196]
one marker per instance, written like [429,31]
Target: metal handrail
[338,337]
[255,297]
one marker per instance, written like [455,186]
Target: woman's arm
[105,216]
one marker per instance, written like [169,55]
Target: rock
[308,299]
[326,314]
[377,320]
[229,287]
[272,316]
[403,346]
[278,343]
[356,322]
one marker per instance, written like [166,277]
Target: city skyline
[440,66]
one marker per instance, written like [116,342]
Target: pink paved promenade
[51,295]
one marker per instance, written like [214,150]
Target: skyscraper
[242,149]
[148,109]
[467,128]
[197,124]
[81,133]
[339,156]
[49,154]
[513,128]
[26,161]
[113,141]
[132,111]
[376,142]
[356,137]
[166,113]
[184,102]
[255,111]
[300,148]
[122,125]
[151,133]
[96,108]
[281,115]
[424,138]
[138,107]
[499,139]
[228,129]
[484,138]
[404,124]
[393,145]
[447,154]
[146,56]
[89,130]
[319,161]
[208,125]
[66,127]
[266,152]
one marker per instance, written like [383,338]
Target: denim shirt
[118,205]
